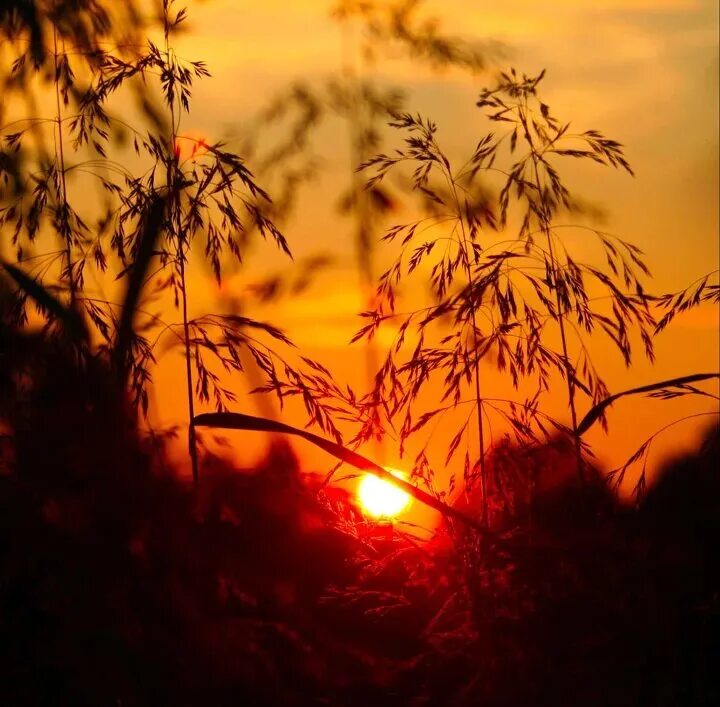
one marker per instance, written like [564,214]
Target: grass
[257,588]
[122,584]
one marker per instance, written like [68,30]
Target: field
[197,509]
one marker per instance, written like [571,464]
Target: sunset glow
[382,499]
[190,146]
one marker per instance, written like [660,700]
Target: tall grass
[257,586]
[520,285]
[356,96]
[209,192]
[517,286]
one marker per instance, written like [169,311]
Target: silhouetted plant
[58,46]
[213,196]
[208,193]
[518,286]
[364,105]
[86,24]
[539,187]
[246,591]
[701,292]
[460,359]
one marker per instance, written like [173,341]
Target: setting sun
[382,499]
[190,145]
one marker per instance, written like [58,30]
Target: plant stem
[566,358]
[545,227]
[192,443]
[361,206]
[174,208]
[478,396]
[60,158]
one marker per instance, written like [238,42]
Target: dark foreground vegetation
[121,586]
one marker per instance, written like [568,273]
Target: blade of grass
[238,421]
[69,317]
[595,412]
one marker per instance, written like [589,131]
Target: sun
[190,145]
[382,499]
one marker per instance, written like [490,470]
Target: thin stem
[478,396]
[362,210]
[60,157]
[192,442]
[176,227]
[545,225]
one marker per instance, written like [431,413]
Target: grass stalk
[175,225]
[363,221]
[545,219]
[478,395]
[60,161]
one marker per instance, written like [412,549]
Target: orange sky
[644,72]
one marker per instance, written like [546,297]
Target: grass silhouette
[123,584]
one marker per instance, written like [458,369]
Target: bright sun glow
[382,499]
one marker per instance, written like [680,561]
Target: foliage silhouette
[255,590]
[210,195]
[518,286]
[121,584]
[665,389]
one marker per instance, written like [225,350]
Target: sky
[644,72]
